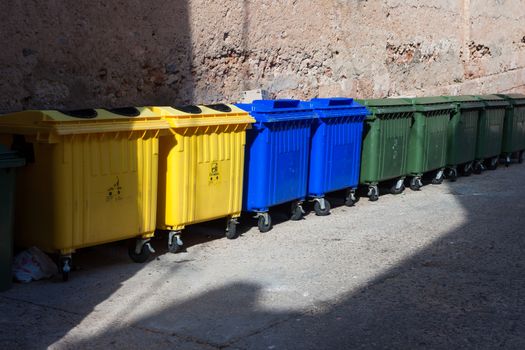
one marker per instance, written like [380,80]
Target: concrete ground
[442,268]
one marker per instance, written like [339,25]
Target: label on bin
[214,172]
[114,192]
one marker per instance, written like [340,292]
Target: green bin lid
[466,101]
[380,106]
[10,159]
[514,99]
[493,101]
[429,104]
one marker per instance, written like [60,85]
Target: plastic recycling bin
[385,144]
[277,152]
[462,135]
[9,161]
[90,178]
[427,148]
[490,132]
[201,168]
[335,151]
[514,128]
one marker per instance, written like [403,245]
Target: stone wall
[72,54]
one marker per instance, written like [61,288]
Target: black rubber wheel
[322,212]
[491,164]
[65,268]
[231,230]
[436,181]
[174,247]
[396,191]
[350,202]
[264,226]
[140,258]
[374,195]
[452,175]
[466,169]
[297,213]
[477,168]
[414,184]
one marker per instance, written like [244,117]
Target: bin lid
[514,99]
[386,106]
[466,101]
[271,111]
[10,159]
[203,115]
[84,121]
[432,103]
[336,107]
[493,101]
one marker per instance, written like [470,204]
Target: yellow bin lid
[84,121]
[204,115]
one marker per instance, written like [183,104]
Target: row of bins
[96,176]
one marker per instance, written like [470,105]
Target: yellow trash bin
[201,167]
[91,178]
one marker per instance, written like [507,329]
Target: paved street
[442,268]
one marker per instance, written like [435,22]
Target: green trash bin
[9,160]
[462,135]
[490,132]
[385,144]
[427,149]
[514,128]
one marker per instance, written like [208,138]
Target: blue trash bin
[277,151]
[335,155]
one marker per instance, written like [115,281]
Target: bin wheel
[320,211]
[264,223]
[493,163]
[415,183]
[452,174]
[398,187]
[175,244]
[373,194]
[231,229]
[65,267]
[478,168]
[297,212]
[438,178]
[507,160]
[144,254]
[351,199]
[520,157]
[466,169]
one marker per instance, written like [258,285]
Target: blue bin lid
[337,107]
[269,111]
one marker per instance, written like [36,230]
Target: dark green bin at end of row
[514,125]
[9,160]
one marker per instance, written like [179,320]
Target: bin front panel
[200,175]
[86,190]
[490,133]
[514,129]
[428,141]
[385,147]
[462,134]
[276,164]
[336,154]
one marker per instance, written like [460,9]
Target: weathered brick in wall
[70,54]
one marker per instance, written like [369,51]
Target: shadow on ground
[465,290]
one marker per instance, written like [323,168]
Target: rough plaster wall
[65,54]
